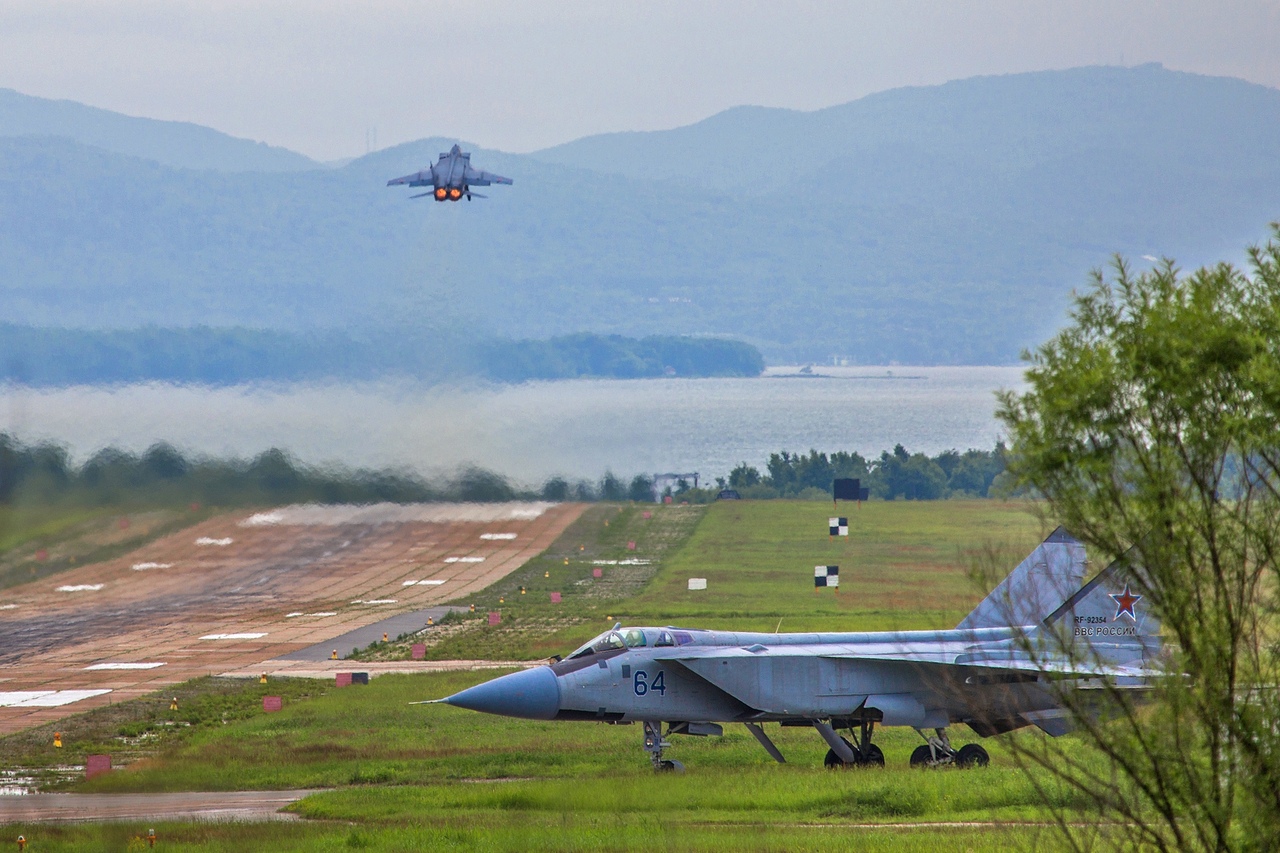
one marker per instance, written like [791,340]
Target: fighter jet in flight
[451,177]
[1039,632]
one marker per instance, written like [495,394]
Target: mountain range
[940,224]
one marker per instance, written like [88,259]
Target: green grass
[410,775]
[519,831]
[904,565]
[74,536]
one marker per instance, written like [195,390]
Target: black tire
[972,755]
[874,757]
[835,762]
[922,757]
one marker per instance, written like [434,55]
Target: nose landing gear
[654,744]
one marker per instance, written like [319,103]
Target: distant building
[728,495]
[663,482]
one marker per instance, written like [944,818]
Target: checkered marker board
[826,576]
[839,526]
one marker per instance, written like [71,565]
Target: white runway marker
[423,583]
[375,601]
[81,587]
[205,540]
[46,698]
[464,559]
[324,613]
[149,665]
[142,567]
[291,615]
[249,635]
[8,607]
[492,536]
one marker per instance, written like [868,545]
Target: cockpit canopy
[633,638]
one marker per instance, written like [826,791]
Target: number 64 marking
[642,685]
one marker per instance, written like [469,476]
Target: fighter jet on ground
[452,177]
[996,671]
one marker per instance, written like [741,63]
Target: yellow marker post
[173,704]
[57,740]
[384,636]
[502,599]
[546,574]
[582,547]
[334,655]
[473,608]
[430,621]
[262,679]
[22,843]
[522,590]
[566,561]
[151,838]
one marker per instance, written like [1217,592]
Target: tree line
[40,356]
[43,473]
[896,474]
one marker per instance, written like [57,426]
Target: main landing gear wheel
[922,756]
[872,756]
[972,755]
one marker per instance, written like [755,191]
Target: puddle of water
[19,783]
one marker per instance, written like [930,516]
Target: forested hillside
[941,224]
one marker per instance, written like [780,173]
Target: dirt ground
[236,591]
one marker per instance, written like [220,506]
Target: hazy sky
[318,75]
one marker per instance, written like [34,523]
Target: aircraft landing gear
[864,754]
[938,751]
[654,744]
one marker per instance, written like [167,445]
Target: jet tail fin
[1107,622]
[1036,588]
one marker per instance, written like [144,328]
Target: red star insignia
[1125,601]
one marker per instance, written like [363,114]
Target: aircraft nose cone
[533,694]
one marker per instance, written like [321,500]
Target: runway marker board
[826,576]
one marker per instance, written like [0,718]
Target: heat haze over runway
[241,589]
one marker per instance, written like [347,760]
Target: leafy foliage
[1150,426]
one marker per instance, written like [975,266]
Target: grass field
[39,541]
[407,777]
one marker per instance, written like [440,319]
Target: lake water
[531,431]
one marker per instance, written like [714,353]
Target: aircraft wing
[709,662]
[417,179]
[481,178]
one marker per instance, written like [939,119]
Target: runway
[238,591]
